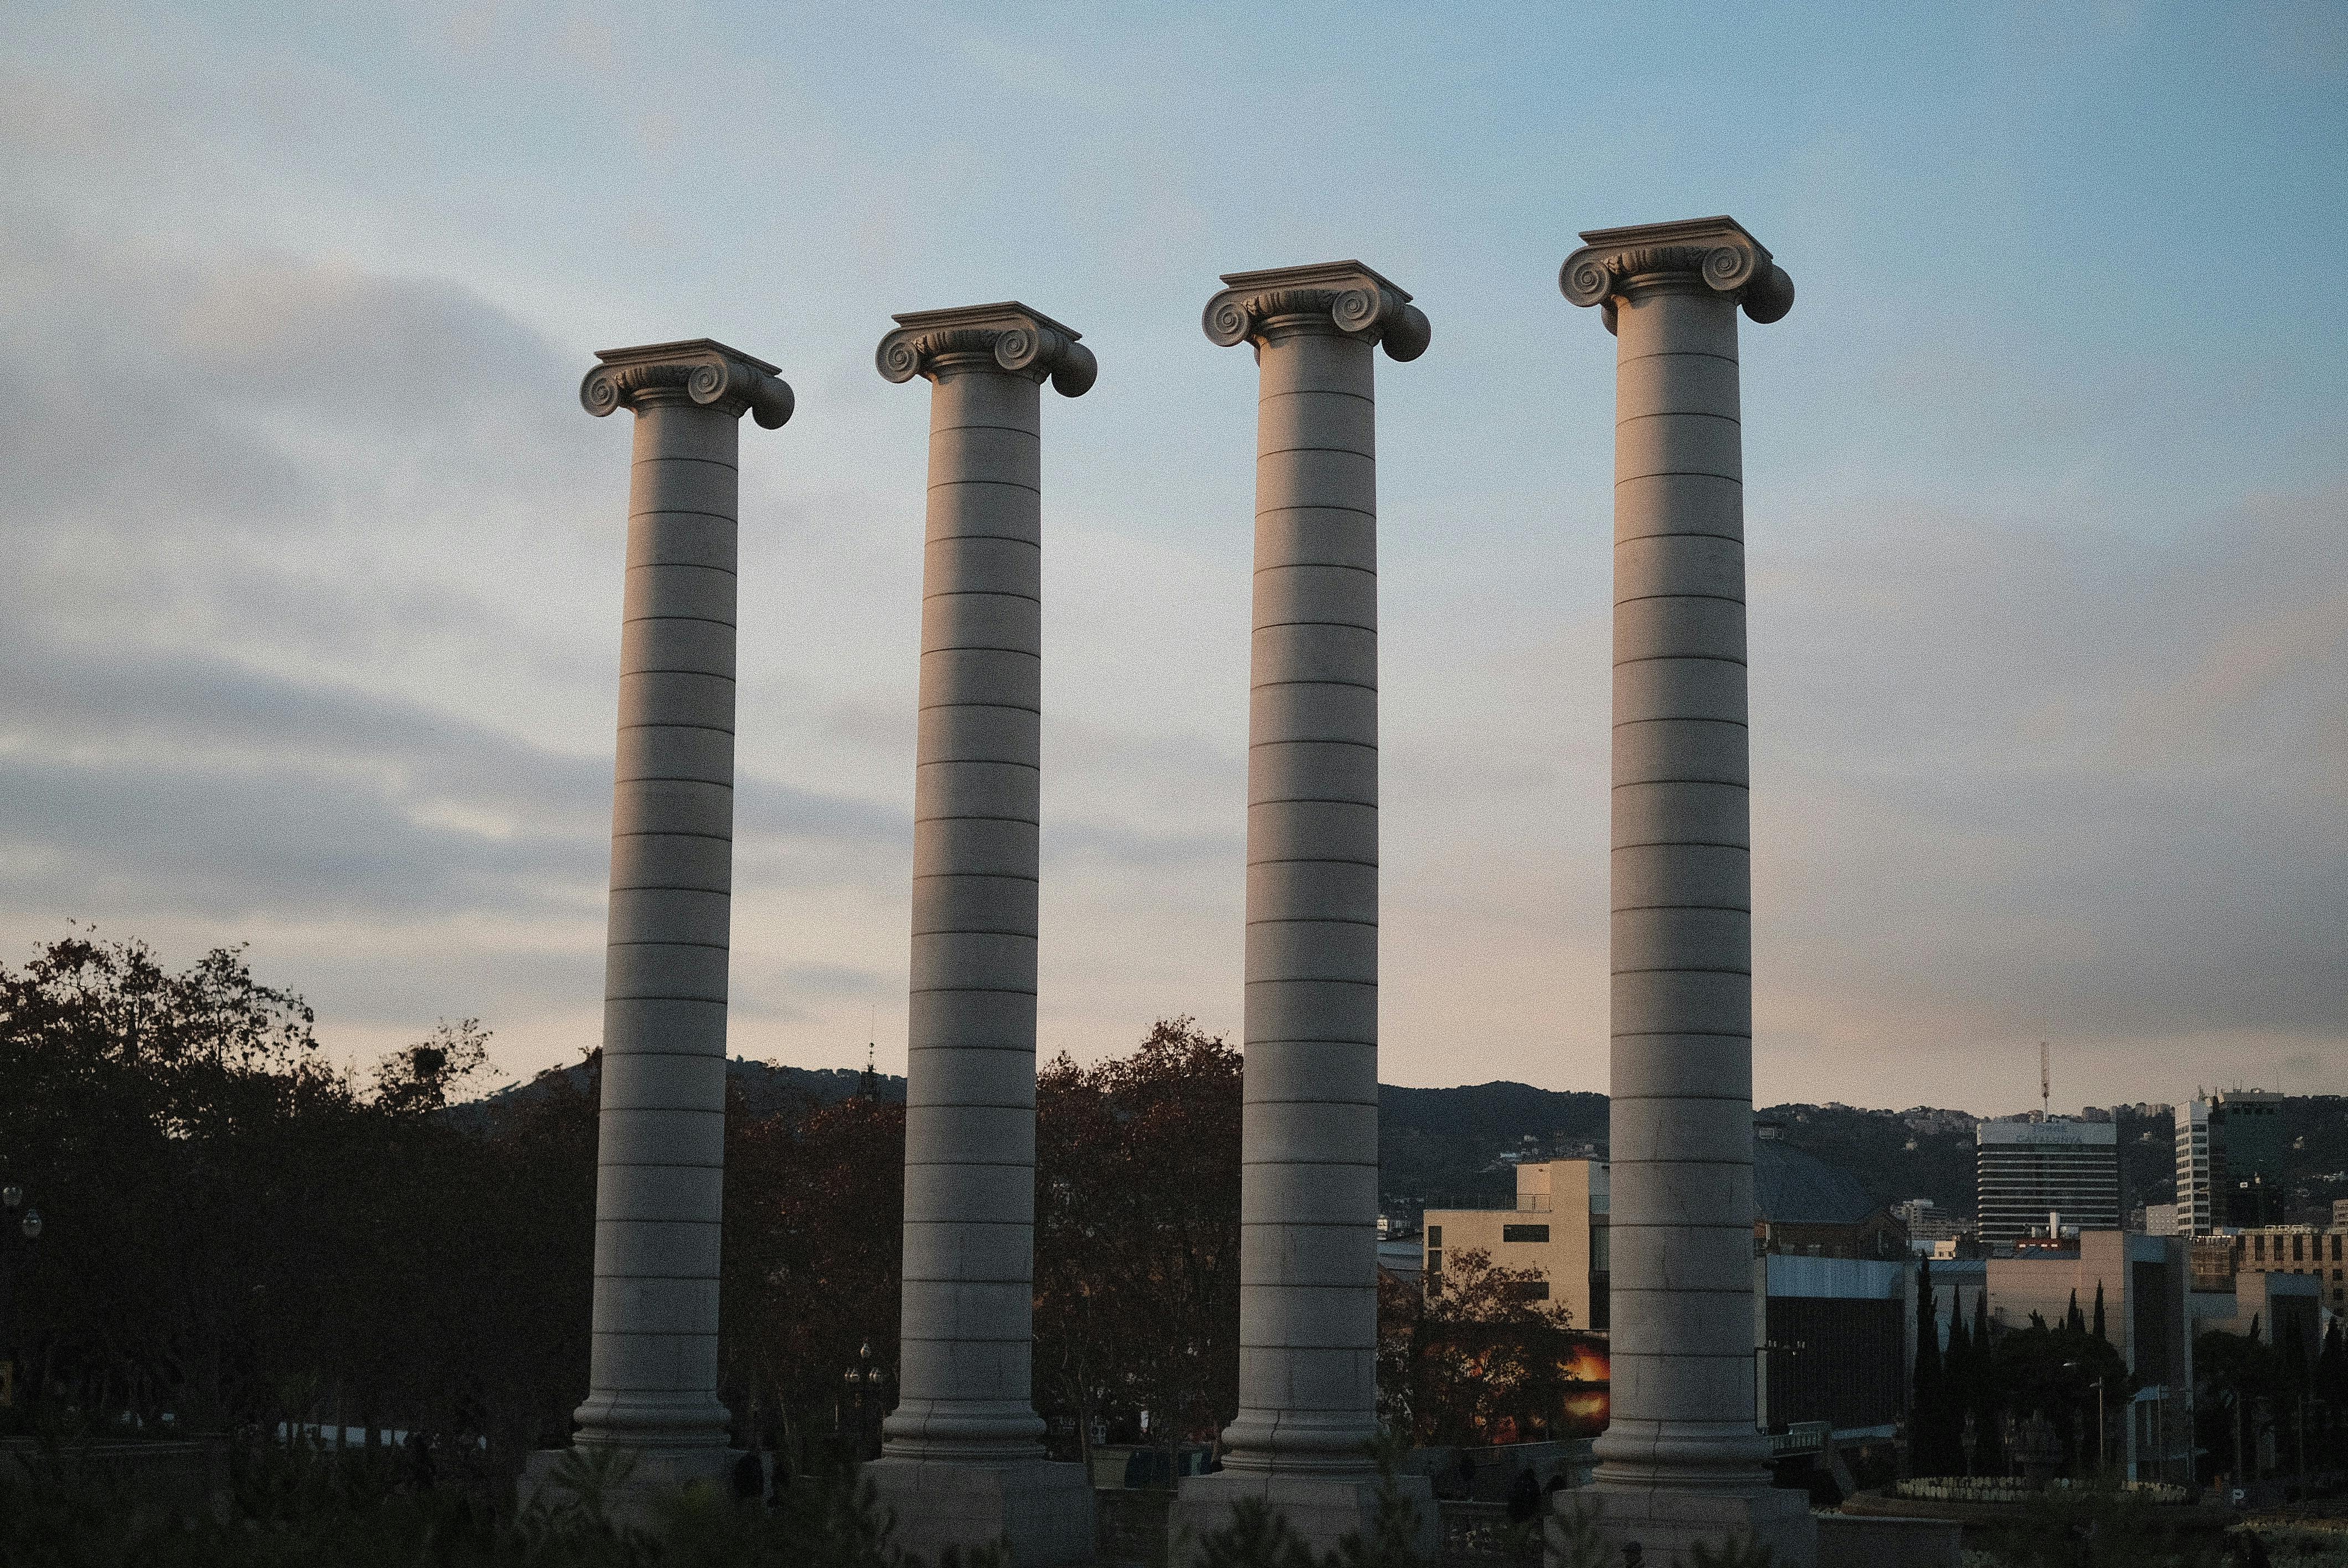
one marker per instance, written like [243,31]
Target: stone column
[1309,1183]
[963,1464]
[1681,1461]
[660,1149]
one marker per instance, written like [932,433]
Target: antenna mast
[2046,1083]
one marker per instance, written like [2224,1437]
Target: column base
[1665,1522]
[1322,1510]
[573,1477]
[1043,1510]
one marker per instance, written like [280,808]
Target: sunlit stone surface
[963,1465]
[1309,1184]
[1682,1461]
[660,1151]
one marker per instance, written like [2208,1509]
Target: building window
[2297,1252]
[1435,1261]
[1524,1232]
[1538,1291]
[2259,1247]
[1435,1238]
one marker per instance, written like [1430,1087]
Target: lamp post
[863,1384]
[2081,1367]
[28,1226]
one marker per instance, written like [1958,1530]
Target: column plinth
[962,1459]
[1309,1189]
[660,1145]
[1681,1460]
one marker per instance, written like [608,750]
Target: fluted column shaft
[1682,1226]
[660,1151]
[1308,1132]
[967,1337]
[1682,1071]
[1308,1190]
[970,1118]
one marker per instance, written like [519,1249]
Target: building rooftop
[1793,1188]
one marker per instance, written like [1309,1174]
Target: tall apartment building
[2029,1167]
[2229,1150]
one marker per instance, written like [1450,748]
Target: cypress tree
[2099,1314]
[1926,1399]
[1989,1410]
[1958,1379]
[2073,1319]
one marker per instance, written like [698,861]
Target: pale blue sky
[313,619]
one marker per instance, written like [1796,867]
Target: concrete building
[1557,1229]
[2145,1281]
[2318,1253]
[2028,1167]
[1805,1207]
[2278,1306]
[1835,1342]
[1681,1461]
[2229,1160]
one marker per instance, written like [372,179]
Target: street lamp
[2081,1366]
[862,1382]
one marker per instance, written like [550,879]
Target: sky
[309,634]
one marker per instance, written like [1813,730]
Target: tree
[2098,1326]
[2072,1320]
[2055,1372]
[1960,1380]
[1989,1457]
[1476,1354]
[423,1077]
[1927,1404]
[815,1203]
[1138,1234]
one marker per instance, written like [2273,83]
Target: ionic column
[660,1149]
[1681,1461]
[1309,1187]
[963,1464]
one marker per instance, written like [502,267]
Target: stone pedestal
[1666,1524]
[1322,1510]
[962,1459]
[1309,1183]
[1681,1460]
[1041,1510]
[660,1150]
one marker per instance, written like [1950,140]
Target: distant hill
[1458,1147]
[1443,1145]
[767,1086]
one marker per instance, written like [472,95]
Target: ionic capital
[1715,252]
[1330,296]
[700,369]
[1016,339]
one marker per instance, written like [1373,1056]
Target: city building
[1927,1224]
[2027,1168]
[2147,1317]
[1834,1345]
[2297,1249]
[1556,1229]
[2230,1155]
[1808,1208]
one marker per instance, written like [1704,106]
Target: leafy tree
[1138,1234]
[1475,1355]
